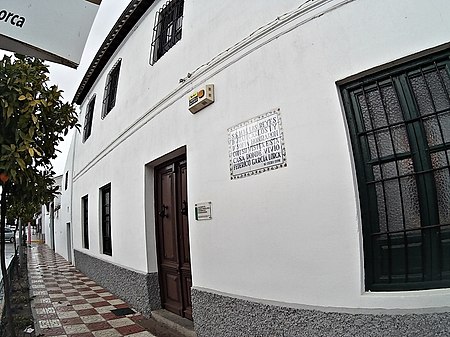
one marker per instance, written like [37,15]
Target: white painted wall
[291,235]
[65,213]
[46,215]
[45,218]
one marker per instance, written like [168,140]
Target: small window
[167,30]
[106,219]
[66,180]
[85,221]
[111,89]
[399,123]
[88,119]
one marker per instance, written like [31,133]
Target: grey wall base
[139,290]
[217,315]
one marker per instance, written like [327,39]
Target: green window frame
[399,124]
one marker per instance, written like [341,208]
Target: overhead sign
[54,30]
[256,145]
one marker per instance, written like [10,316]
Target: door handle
[184,208]
[162,213]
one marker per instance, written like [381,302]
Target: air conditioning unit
[201,98]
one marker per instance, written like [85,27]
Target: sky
[68,79]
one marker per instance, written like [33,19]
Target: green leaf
[9,111]
[21,163]
[22,98]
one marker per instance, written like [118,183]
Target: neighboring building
[310,199]
[63,216]
[50,225]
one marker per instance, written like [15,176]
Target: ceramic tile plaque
[203,211]
[256,145]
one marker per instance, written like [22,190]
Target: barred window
[167,30]
[399,123]
[109,101]
[88,119]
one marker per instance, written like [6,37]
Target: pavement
[67,303]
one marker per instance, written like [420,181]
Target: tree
[33,118]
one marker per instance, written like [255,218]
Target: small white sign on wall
[257,145]
[203,211]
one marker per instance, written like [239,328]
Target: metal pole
[20,243]
[29,233]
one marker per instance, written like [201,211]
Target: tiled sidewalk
[68,304]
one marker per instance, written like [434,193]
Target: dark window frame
[85,220]
[66,180]
[405,258]
[105,200]
[167,30]
[87,129]
[112,84]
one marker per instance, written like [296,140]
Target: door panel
[172,231]
[167,218]
[173,298]
[186,280]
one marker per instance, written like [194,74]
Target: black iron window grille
[399,123]
[88,119]
[106,219]
[109,101]
[167,29]
[85,210]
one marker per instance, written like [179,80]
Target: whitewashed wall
[291,235]
[46,218]
[62,233]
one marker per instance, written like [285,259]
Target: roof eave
[127,20]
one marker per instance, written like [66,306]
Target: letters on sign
[12,18]
[256,145]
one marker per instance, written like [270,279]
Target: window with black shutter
[109,101]
[106,219]
[85,221]
[88,119]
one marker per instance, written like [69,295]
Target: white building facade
[309,198]
[51,218]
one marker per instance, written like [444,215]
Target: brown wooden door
[172,232]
